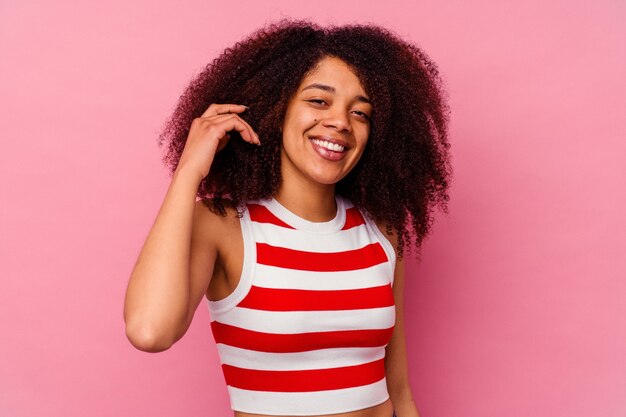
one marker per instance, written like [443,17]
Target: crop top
[305,330]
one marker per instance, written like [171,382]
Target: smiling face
[326,125]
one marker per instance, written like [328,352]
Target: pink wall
[517,307]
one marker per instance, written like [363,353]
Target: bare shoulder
[212,234]
[393,237]
[210,226]
[207,242]
[215,250]
[398,280]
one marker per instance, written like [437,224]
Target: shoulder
[203,212]
[209,226]
[398,263]
[391,235]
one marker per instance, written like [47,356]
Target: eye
[363,115]
[317,101]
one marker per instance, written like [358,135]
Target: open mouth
[329,145]
[328,149]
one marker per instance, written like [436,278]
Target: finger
[215,109]
[252,135]
[233,122]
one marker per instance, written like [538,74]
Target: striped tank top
[305,330]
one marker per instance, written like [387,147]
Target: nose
[338,119]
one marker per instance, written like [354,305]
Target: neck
[312,202]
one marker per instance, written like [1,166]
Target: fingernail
[244,106]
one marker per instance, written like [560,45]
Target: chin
[327,180]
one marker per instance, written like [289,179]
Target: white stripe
[308,403]
[290,322]
[274,277]
[312,359]
[351,239]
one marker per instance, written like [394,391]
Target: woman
[318,155]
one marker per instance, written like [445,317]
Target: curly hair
[405,169]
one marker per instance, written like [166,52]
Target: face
[326,125]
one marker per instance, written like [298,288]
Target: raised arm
[163,291]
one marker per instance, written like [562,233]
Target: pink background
[517,307]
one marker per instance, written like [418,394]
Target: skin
[185,257]
[309,180]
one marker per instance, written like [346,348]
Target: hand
[209,134]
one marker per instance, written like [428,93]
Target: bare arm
[158,296]
[396,364]
[162,293]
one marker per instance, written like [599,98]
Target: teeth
[328,145]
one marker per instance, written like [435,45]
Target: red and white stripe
[305,330]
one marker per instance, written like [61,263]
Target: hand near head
[209,134]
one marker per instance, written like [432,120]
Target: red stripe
[365,257]
[278,299]
[353,218]
[261,214]
[305,380]
[298,342]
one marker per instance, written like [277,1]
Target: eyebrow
[333,90]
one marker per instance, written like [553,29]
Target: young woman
[318,155]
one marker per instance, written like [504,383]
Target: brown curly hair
[405,169]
